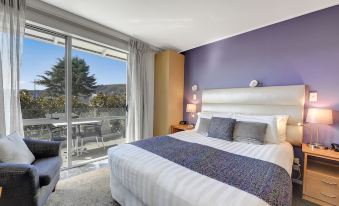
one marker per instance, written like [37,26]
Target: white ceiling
[186,24]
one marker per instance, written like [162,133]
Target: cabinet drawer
[322,187]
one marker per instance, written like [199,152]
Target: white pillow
[224,115]
[206,115]
[275,126]
[282,125]
[14,150]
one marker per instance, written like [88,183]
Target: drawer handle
[330,196]
[330,183]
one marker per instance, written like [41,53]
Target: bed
[188,168]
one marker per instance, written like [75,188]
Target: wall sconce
[254,83]
[194,89]
[313,97]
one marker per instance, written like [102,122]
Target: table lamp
[318,116]
[191,108]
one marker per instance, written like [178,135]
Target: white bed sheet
[139,177]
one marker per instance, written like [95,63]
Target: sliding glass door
[43,87]
[99,99]
[73,91]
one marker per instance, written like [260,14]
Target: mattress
[140,177]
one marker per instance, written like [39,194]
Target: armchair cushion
[14,150]
[42,148]
[47,168]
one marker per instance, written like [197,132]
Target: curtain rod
[58,34]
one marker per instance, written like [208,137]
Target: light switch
[313,97]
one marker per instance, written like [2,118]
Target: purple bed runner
[263,179]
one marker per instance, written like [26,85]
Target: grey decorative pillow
[221,128]
[249,132]
[203,126]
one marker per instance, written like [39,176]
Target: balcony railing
[92,134]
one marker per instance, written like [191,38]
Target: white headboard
[278,100]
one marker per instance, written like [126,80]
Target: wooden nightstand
[180,127]
[0,191]
[321,176]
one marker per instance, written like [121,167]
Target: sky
[39,57]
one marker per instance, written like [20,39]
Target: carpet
[92,188]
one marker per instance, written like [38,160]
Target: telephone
[182,122]
[335,147]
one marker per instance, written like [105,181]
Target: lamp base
[316,146]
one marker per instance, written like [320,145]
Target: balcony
[92,133]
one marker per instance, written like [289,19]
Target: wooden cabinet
[321,176]
[168,91]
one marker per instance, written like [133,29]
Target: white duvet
[139,177]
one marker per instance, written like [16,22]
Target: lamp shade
[319,116]
[191,108]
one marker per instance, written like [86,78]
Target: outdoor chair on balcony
[98,133]
[58,134]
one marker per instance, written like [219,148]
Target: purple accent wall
[303,50]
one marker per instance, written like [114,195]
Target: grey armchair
[31,185]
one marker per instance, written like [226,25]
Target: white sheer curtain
[12,26]
[140,91]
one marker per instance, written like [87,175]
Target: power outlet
[296,171]
[313,97]
[296,161]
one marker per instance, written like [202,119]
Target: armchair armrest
[19,182]
[42,148]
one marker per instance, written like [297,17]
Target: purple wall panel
[303,50]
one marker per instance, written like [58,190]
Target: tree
[99,101]
[105,101]
[82,82]
[29,107]
[116,101]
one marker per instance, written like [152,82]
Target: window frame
[68,85]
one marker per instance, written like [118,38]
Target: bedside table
[321,176]
[180,127]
